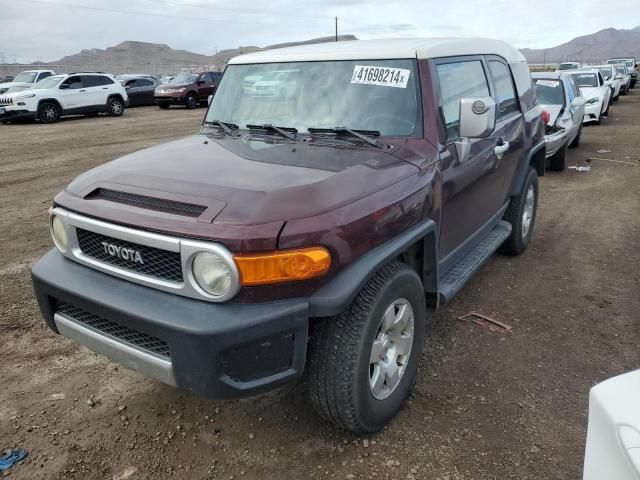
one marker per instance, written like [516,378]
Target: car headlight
[591,101]
[58,233]
[215,275]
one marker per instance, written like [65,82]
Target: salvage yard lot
[486,405]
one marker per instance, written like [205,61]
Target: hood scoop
[152,203]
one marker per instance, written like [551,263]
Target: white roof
[381,49]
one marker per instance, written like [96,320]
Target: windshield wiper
[286,132]
[229,128]
[364,135]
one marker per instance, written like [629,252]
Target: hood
[244,181]
[592,92]
[36,91]
[554,111]
[14,84]
[174,85]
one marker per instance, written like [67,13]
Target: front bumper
[212,350]
[14,112]
[555,141]
[169,99]
[592,112]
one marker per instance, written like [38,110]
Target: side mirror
[477,117]
[209,99]
[64,86]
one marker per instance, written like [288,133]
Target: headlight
[29,95]
[58,233]
[591,101]
[215,275]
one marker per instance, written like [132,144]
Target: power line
[146,14]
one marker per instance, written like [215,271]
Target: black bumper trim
[198,333]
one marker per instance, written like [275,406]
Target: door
[471,186]
[145,89]
[509,132]
[98,88]
[205,86]
[71,92]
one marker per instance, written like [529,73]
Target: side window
[504,87]
[205,77]
[460,80]
[216,77]
[132,83]
[574,85]
[143,82]
[96,80]
[74,82]
[571,92]
[44,75]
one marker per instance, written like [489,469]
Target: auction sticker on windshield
[548,83]
[382,76]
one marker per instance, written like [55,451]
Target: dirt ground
[486,405]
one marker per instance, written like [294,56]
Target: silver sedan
[563,108]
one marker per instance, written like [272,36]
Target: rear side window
[143,82]
[460,80]
[96,80]
[504,87]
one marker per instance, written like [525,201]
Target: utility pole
[336,29]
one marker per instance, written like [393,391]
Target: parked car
[622,74]
[26,79]
[188,89]
[140,89]
[563,104]
[568,66]
[7,78]
[279,83]
[61,95]
[613,434]
[225,262]
[632,66]
[610,78]
[595,91]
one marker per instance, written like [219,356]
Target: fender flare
[523,166]
[335,296]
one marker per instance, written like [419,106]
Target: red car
[188,89]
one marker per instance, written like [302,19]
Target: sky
[46,30]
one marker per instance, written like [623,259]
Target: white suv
[69,94]
[26,79]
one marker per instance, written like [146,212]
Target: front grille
[115,330]
[170,206]
[6,101]
[156,263]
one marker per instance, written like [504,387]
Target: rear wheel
[192,101]
[115,107]
[362,362]
[558,162]
[521,214]
[576,141]
[48,112]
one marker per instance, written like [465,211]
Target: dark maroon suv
[188,89]
[335,197]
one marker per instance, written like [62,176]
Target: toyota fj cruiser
[314,231]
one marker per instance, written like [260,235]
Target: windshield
[25,77]
[585,79]
[184,78]
[567,66]
[621,70]
[549,92]
[607,72]
[49,82]
[377,95]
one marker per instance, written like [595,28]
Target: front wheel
[192,101]
[521,214]
[115,107]
[48,112]
[362,362]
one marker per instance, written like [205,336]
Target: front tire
[521,214]
[362,362]
[115,107]
[48,112]
[192,101]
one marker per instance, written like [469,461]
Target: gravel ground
[486,405]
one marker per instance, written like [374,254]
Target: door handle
[501,149]
[105,88]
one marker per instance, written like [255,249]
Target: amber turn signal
[282,266]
